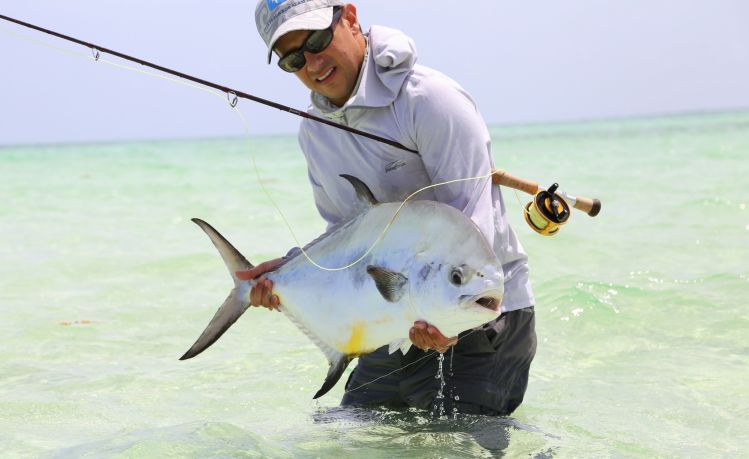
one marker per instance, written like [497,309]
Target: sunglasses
[316,42]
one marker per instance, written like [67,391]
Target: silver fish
[433,264]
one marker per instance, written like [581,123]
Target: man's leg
[489,368]
[375,381]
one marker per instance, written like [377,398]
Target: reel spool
[547,212]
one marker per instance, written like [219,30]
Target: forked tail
[235,304]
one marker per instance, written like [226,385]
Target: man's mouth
[325,76]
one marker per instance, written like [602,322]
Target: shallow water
[641,316]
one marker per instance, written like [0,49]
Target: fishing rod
[545,214]
[232,93]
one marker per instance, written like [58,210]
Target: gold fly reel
[547,212]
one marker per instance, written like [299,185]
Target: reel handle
[590,206]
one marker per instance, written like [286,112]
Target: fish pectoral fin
[337,367]
[390,284]
[403,343]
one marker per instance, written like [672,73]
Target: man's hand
[262,291]
[425,337]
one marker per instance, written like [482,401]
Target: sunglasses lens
[292,62]
[318,40]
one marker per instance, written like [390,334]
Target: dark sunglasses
[316,42]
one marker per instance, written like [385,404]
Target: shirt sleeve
[454,143]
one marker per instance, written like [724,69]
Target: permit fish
[432,264]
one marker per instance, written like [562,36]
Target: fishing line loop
[231,96]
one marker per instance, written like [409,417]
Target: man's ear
[349,15]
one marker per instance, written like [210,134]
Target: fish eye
[456,276]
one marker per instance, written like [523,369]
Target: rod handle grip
[504,178]
[590,206]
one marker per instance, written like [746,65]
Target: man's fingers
[260,269]
[416,339]
[246,275]
[262,294]
[425,337]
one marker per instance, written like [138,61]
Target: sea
[642,311]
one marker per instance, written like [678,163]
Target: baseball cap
[275,18]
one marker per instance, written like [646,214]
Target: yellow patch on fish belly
[356,340]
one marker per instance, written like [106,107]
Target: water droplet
[457,398]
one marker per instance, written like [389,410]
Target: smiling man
[370,81]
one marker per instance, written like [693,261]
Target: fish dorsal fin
[337,367]
[365,198]
[390,284]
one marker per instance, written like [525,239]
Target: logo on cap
[272,4]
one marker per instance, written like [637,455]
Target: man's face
[334,71]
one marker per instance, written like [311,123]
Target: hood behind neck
[389,58]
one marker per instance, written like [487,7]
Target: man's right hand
[262,291]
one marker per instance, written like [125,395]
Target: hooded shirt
[426,111]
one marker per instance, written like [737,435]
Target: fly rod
[544,214]
[233,92]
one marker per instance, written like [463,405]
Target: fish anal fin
[337,367]
[390,284]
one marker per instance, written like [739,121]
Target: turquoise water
[641,317]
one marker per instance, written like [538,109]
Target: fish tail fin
[235,304]
[234,260]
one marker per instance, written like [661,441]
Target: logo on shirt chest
[393,165]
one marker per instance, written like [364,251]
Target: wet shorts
[485,373]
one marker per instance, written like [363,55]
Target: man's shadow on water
[492,433]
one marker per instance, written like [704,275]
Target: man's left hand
[426,337]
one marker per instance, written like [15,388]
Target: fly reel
[547,212]
[550,209]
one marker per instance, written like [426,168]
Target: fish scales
[432,264]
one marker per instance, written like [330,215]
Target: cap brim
[312,20]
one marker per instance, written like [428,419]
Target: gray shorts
[489,371]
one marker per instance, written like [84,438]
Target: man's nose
[314,61]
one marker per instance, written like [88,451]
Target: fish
[432,264]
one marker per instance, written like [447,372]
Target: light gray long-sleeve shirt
[426,111]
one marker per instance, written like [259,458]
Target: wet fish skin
[433,264]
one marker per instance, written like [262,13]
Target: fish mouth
[488,300]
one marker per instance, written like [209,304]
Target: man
[370,81]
